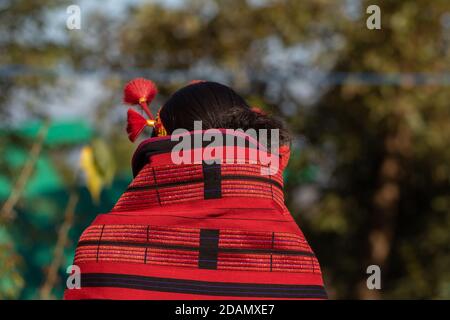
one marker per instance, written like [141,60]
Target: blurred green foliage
[369,176]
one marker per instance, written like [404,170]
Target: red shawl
[197,231]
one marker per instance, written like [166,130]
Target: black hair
[218,107]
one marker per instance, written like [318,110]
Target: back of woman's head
[218,107]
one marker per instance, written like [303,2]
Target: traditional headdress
[141,92]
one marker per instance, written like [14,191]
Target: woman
[199,230]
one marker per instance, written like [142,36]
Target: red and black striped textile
[197,231]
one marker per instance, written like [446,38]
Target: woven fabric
[170,184]
[180,247]
[197,231]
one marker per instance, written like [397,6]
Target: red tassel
[135,124]
[140,91]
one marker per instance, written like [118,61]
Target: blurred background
[369,176]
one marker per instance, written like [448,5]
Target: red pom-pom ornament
[136,123]
[141,92]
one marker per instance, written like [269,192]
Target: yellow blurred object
[94,179]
